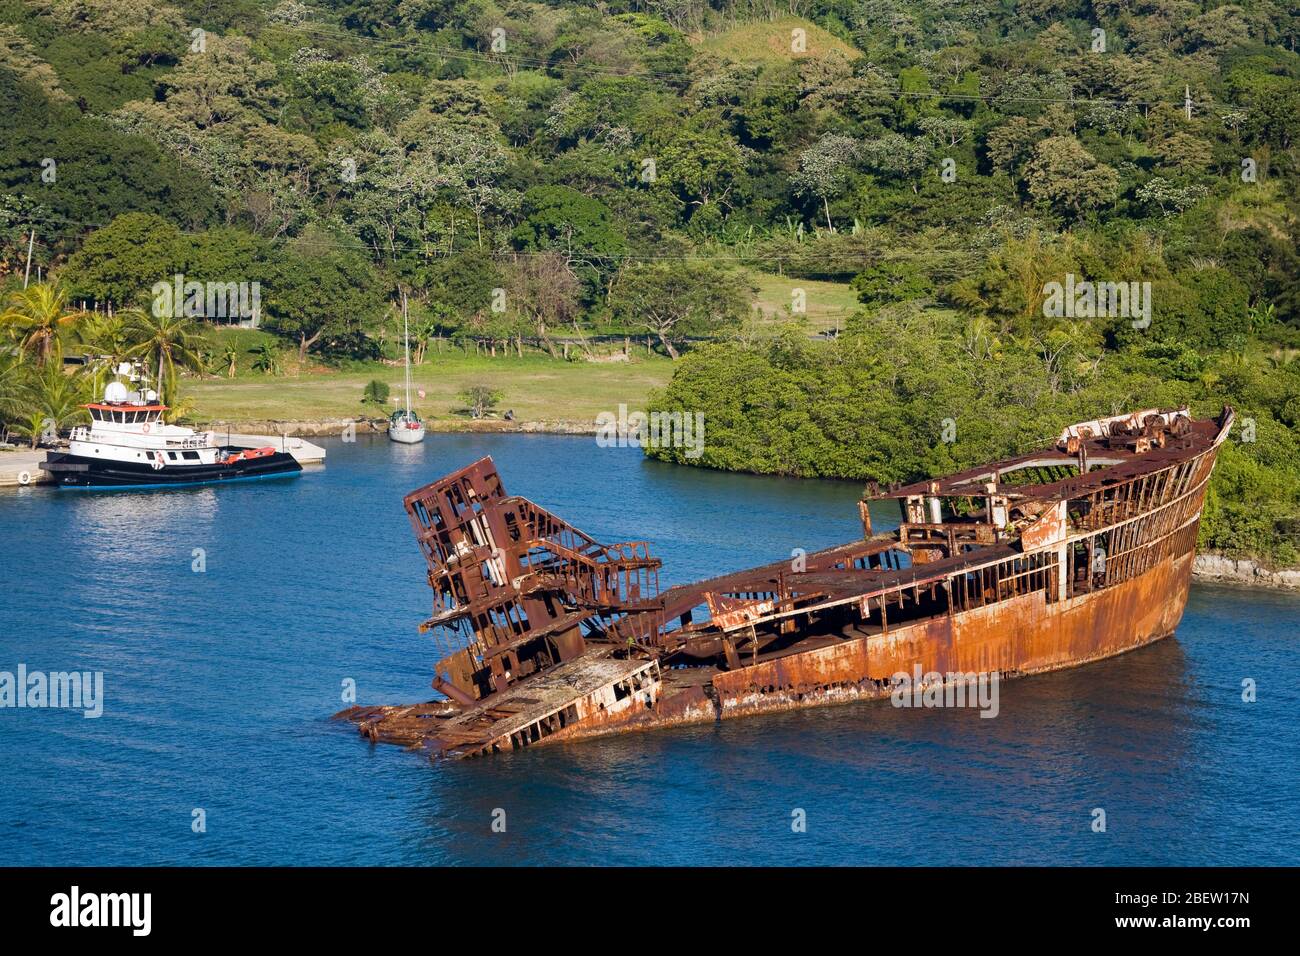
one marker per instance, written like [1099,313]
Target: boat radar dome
[115,392]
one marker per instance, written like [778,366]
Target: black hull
[78,471]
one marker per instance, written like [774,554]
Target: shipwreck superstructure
[1051,559]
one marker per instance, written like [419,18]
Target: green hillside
[547,178]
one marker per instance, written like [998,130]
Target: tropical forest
[866,239]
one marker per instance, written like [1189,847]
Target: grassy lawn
[769,41]
[829,304]
[243,339]
[538,388]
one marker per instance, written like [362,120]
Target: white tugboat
[127,445]
[404,425]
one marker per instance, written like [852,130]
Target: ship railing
[1132,545]
[1136,496]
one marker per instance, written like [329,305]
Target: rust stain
[1051,528]
[1056,558]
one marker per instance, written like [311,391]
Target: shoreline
[1217,568]
[334,427]
[1209,565]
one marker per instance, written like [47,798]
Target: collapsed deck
[1061,556]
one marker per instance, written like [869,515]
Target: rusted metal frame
[1168,486]
[550,628]
[1159,481]
[1129,467]
[896,589]
[1143,557]
[549,529]
[1134,496]
[1186,496]
[769,573]
[956,485]
[1110,504]
[598,582]
[452,510]
[1118,568]
[1022,574]
[1110,464]
[1142,491]
[727,622]
[462,519]
[1184,479]
[1172,483]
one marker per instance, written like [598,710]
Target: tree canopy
[630,167]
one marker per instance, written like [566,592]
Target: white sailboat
[404,425]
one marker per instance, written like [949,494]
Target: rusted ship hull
[1023,636]
[1079,553]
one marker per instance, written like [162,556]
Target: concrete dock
[23,466]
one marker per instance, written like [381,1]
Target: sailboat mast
[406,338]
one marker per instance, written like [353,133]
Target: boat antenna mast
[136,372]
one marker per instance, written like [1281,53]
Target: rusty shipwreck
[1051,559]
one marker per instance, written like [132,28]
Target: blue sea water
[218,687]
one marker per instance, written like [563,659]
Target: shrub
[480,399]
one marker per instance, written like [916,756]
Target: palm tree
[172,341]
[34,315]
[49,401]
[32,425]
[106,335]
[11,385]
[229,358]
[106,338]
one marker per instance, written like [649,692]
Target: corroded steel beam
[555,636]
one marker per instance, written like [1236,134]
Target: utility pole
[1187,102]
[31,240]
